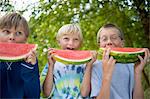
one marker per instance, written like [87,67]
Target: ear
[58,42]
[123,42]
[25,40]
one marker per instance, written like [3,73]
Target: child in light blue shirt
[111,80]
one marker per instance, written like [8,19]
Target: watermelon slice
[15,51]
[124,55]
[72,56]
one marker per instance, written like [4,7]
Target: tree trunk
[143,14]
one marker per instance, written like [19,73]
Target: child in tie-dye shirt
[67,81]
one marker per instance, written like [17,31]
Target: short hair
[110,25]
[14,20]
[69,29]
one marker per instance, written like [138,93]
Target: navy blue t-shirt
[19,80]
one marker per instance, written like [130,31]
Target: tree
[143,11]
[131,16]
[90,15]
[6,6]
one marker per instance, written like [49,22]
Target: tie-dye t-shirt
[67,80]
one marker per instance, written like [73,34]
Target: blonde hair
[110,25]
[14,20]
[69,29]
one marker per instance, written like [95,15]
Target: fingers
[146,54]
[31,58]
[50,53]
[146,57]
[94,55]
[142,62]
[112,60]
[50,56]
[106,54]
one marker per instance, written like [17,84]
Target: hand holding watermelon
[31,58]
[139,66]
[51,61]
[93,58]
[108,64]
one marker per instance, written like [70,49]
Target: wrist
[106,80]
[89,66]
[107,77]
[137,76]
[50,66]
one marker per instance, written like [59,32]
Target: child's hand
[51,61]
[94,57]
[139,66]
[31,58]
[108,64]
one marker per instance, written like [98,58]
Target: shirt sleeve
[96,78]
[29,65]
[45,70]
[43,73]
[43,76]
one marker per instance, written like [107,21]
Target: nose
[11,37]
[109,42]
[70,42]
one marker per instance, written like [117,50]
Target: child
[18,79]
[113,80]
[65,81]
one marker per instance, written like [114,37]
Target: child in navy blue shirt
[18,79]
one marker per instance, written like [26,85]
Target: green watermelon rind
[122,57]
[71,61]
[16,59]
[1,60]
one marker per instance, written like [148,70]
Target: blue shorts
[19,80]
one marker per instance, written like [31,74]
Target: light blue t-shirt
[67,80]
[122,80]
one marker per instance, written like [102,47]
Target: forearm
[138,92]
[48,83]
[86,83]
[105,89]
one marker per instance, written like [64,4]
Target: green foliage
[49,16]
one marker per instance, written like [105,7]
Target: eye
[114,37]
[6,32]
[19,33]
[76,39]
[66,38]
[103,39]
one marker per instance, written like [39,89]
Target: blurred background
[45,17]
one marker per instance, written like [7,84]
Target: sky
[22,4]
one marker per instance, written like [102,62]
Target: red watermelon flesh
[15,51]
[128,50]
[72,56]
[124,55]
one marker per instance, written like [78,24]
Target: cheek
[78,45]
[102,45]
[120,44]
[3,39]
[21,40]
[62,44]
